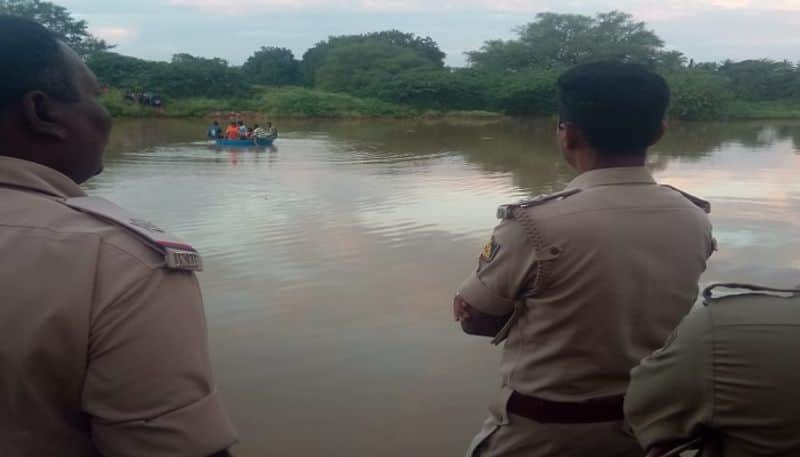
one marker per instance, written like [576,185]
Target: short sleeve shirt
[594,281]
[102,349]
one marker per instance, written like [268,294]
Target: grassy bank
[779,109]
[279,102]
[310,103]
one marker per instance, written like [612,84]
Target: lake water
[331,259]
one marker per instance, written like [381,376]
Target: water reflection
[331,262]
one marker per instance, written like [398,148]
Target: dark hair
[216,123]
[32,59]
[618,107]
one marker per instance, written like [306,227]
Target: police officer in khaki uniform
[728,376]
[102,332]
[584,283]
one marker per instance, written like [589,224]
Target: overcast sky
[704,30]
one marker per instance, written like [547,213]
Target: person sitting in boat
[242,130]
[272,131]
[214,130]
[232,132]
[260,133]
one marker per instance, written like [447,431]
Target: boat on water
[245,143]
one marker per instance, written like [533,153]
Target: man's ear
[41,115]
[572,137]
[661,131]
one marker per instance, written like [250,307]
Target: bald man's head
[32,58]
[49,108]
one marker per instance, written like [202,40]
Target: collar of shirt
[24,174]
[612,176]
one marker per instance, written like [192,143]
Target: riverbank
[779,109]
[299,102]
[286,102]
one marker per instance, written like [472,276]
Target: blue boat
[245,143]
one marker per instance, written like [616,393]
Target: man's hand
[461,309]
[675,449]
[474,322]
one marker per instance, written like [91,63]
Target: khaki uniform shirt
[596,280]
[102,349]
[729,373]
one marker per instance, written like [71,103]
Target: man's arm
[148,386]
[669,399]
[474,322]
[487,298]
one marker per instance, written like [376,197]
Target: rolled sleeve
[484,299]
[149,388]
[670,398]
[502,275]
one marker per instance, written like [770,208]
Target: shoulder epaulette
[507,211]
[699,202]
[178,255]
[739,289]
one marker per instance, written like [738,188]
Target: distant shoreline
[304,103]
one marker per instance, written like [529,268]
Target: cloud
[705,30]
[114,34]
[647,8]
[772,5]
[370,5]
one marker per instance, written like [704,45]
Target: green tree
[762,80]
[698,94]
[363,68]
[58,19]
[670,61]
[187,75]
[435,88]
[120,71]
[526,93]
[423,48]
[561,40]
[272,66]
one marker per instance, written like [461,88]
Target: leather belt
[601,409]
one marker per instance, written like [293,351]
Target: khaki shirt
[595,280]
[729,372]
[102,349]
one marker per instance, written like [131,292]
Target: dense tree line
[514,76]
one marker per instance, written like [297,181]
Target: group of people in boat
[239,130]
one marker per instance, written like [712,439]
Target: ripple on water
[339,251]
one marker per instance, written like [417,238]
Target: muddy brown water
[331,259]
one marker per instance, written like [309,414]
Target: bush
[298,101]
[439,89]
[526,94]
[698,95]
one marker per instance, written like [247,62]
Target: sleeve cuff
[480,297]
[197,430]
